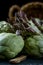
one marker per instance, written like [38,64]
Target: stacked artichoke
[23,33]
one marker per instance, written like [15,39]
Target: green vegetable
[34,45]
[5,27]
[10,45]
[33,26]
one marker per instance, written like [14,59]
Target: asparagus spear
[37,24]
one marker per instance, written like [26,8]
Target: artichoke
[6,27]
[10,45]
[34,45]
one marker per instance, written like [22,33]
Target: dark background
[6,4]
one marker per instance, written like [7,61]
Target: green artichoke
[34,45]
[5,27]
[10,45]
